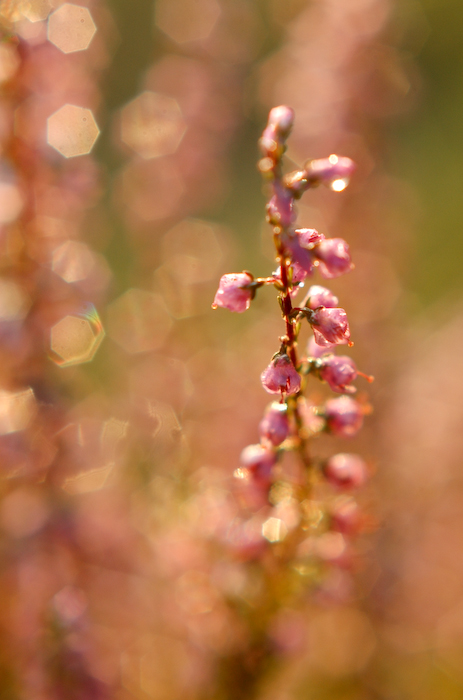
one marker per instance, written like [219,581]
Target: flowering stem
[289,526]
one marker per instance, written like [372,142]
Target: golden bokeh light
[186,20]
[14,302]
[71,28]
[152,125]
[274,530]
[138,321]
[36,10]
[16,410]
[72,131]
[76,338]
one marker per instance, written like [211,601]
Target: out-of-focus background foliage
[116,560]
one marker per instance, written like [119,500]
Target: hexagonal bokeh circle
[186,20]
[76,338]
[152,125]
[71,28]
[36,10]
[72,131]
[138,321]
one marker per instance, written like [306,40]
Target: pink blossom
[303,257]
[331,169]
[330,326]
[280,122]
[320,296]
[339,372]
[259,460]
[281,376]
[282,118]
[334,258]
[232,294]
[274,427]
[344,416]
[309,237]
[346,471]
[280,208]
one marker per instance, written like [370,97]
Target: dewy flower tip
[320,296]
[282,118]
[330,325]
[334,171]
[232,293]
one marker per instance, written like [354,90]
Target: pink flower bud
[281,376]
[280,209]
[330,326]
[334,171]
[309,237]
[259,460]
[231,294]
[268,143]
[334,257]
[346,471]
[344,416]
[293,249]
[320,296]
[282,118]
[316,351]
[280,121]
[274,427]
[339,372]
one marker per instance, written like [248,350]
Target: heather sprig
[291,424]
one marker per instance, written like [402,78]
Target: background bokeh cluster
[128,186]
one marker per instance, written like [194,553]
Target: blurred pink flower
[334,258]
[344,416]
[339,372]
[346,471]
[274,427]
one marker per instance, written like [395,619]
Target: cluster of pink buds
[289,424]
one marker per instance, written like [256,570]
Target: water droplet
[339,184]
